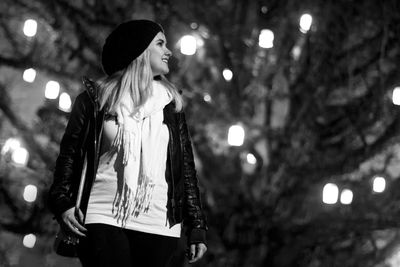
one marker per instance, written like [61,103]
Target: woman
[140,181]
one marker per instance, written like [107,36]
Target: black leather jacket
[83,135]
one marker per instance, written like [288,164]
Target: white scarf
[137,141]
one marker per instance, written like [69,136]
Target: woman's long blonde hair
[136,81]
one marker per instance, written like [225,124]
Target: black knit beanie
[126,42]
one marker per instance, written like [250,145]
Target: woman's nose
[168,52]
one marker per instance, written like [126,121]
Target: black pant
[109,246]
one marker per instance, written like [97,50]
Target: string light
[30,193]
[379,184]
[228,74]
[29,75]
[396,96]
[296,52]
[305,23]
[29,240]
[236,135]
[207,98]
[330,193]
[188,45]
[346,197]
[20,156]
[64,102]
[30,28]
[10,145]
[266,39]
[194,25]
[52,90]
[264,9]
[251,159]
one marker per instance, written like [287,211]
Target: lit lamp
[330,193]
[236,135]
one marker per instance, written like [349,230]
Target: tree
[316,108]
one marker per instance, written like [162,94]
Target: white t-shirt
[105,187]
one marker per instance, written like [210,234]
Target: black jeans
[109,246]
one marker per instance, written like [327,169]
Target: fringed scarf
[137,141]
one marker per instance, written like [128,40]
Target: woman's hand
[196,252]
[70,223]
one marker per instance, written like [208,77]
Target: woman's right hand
[71,224]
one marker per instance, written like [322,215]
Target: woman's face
[159,55]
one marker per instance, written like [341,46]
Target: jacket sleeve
[60,194]
[194,218]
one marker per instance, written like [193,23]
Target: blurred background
[292,107]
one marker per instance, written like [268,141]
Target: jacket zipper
[171,172]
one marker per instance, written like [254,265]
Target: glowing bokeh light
[20,156]
[379,184]
[251,159]
[396,96]
[64,102]
[188,45]
[330,193]
[228,74]
[346,197]
[305,23]
[266,39]
[30,27]
[52,90]
[29,240]
[30,193]
[236,135]
[29,75]
[10,145]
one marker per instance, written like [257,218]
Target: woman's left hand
[196,252]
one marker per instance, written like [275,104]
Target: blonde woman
[139,183]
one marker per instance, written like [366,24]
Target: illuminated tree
[311,84]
